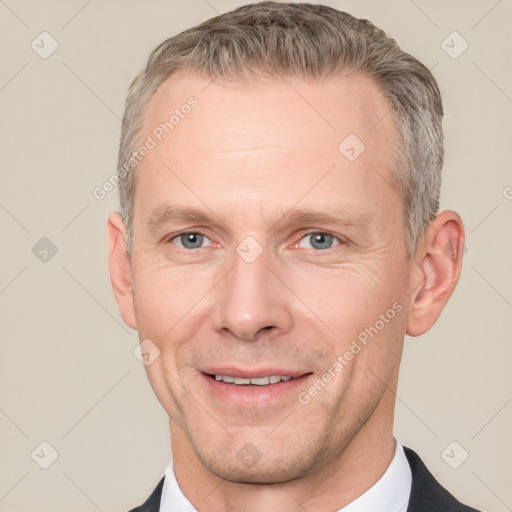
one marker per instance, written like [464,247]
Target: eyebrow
[169,214]
[338,216]
[346,217]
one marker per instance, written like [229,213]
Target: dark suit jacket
[427,495]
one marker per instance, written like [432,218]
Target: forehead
[268,140]
[305,115]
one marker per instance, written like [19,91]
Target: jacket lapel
[152,504]
[427,494]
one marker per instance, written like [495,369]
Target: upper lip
[253,373]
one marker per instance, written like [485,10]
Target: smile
[259,381]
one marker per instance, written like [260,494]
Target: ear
[439,261]
[120,271]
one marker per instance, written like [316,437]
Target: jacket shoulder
[152,504]
[427,494]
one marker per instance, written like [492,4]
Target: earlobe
[120,271]
[439,265]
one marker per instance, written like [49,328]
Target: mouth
[256,381]
[254,388]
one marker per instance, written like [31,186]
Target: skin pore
[291,251]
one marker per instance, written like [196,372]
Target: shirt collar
[391,492]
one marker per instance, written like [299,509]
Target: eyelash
[341,241]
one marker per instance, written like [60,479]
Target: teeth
[262,381]
[259,381]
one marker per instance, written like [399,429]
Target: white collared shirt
[390,493]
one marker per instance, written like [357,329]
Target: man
[279,235]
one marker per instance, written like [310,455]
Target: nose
[251,301]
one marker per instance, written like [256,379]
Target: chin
[243,462]
[268,473]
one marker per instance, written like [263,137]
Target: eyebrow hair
[340,216]
[168,214]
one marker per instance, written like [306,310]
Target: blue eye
[191,240]
[320,241]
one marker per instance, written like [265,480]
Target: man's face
[295,254]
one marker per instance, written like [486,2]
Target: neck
[348,475]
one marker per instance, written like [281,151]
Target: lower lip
[254,396]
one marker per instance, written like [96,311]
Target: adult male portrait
[279,235]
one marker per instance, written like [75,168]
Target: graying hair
[310,42]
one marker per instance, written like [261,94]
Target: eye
[319,241]
[191,240]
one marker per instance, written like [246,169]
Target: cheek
[363,309]
[165,296]
[169,312]
[349,299]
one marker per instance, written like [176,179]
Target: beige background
[68,375]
